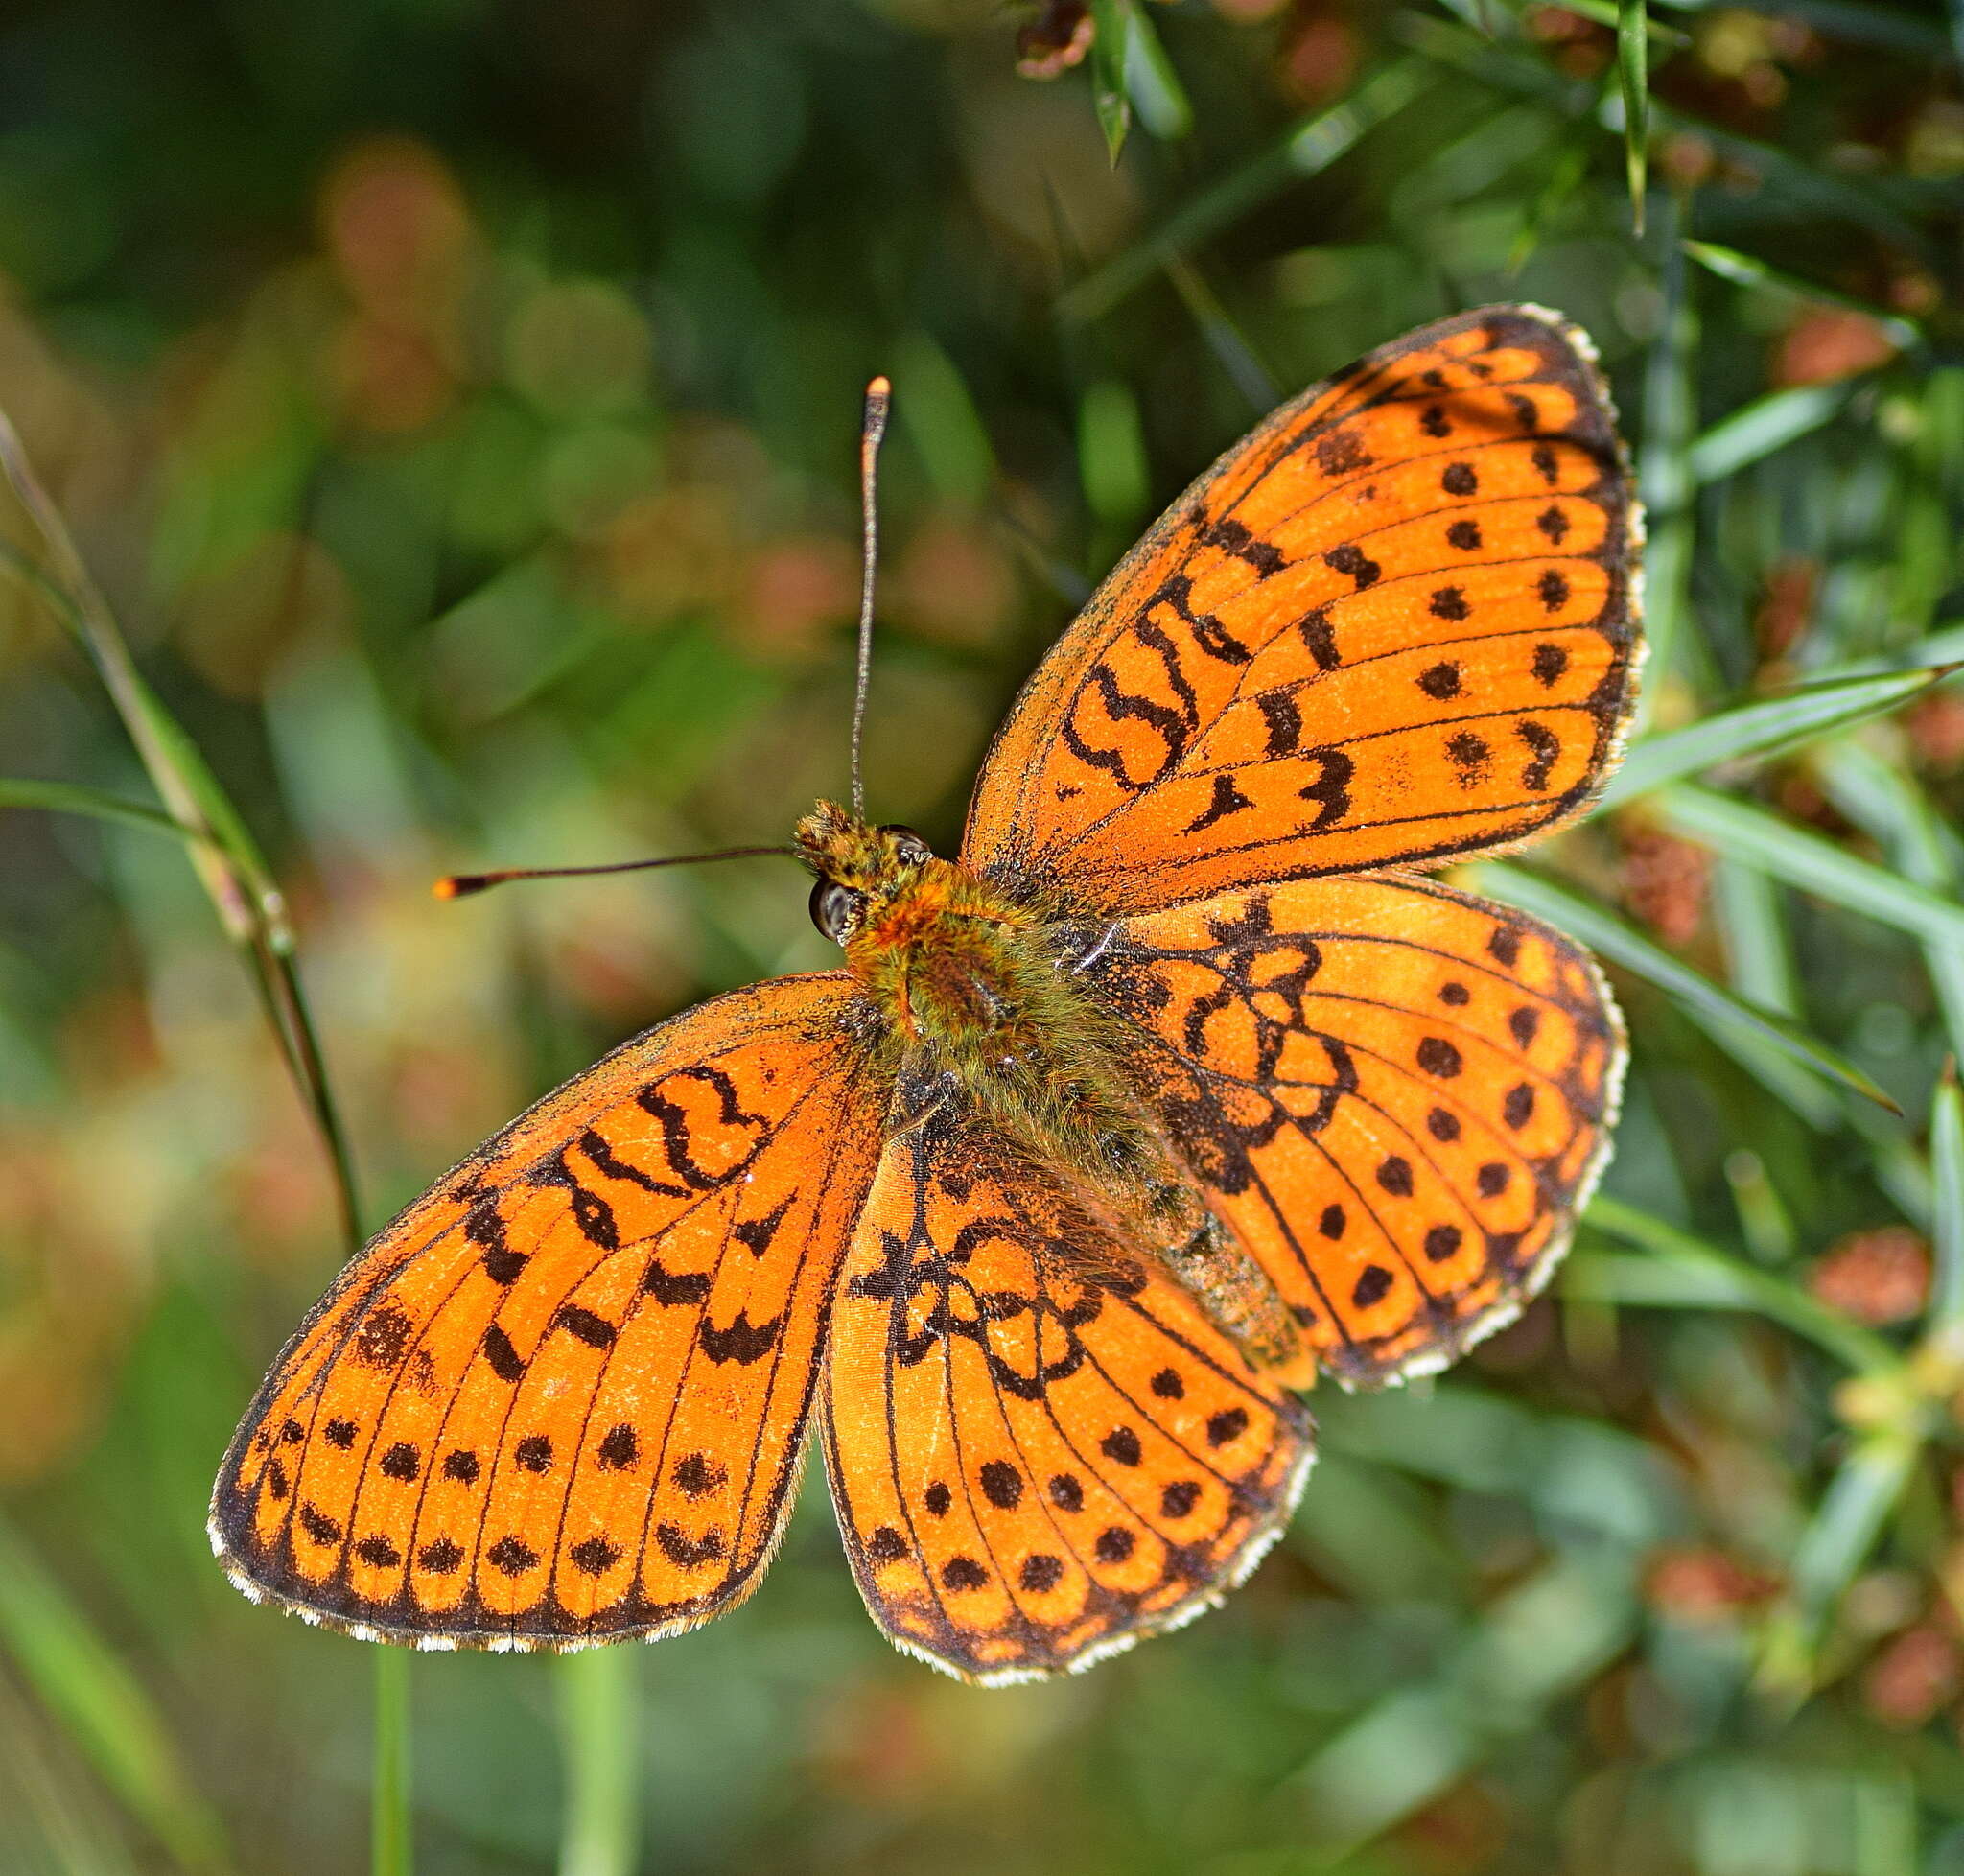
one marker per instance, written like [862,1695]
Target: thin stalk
[391,1846]
[600,1830]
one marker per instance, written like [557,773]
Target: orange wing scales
[1394,625]
[564,1396]
[1033,1470]
[1395,1095]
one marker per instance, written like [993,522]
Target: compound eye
[909,846]
[835,910]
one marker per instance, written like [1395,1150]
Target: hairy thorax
[982,1000]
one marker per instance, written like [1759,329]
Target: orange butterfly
[1174,1087]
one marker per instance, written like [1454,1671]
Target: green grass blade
[1810,861]
[1564,176]
[77,1677]
[1662,472]
[1680,1271]
[1861,22]
[1767,424]
[1610,13]
[1946,1316]
[391,1825]
[66,798]
[1150,83]
[1633,74]
[1761,729]
[1744,270]
[1824,194]
[1237,358]
[1715,1010]
[1836,1542]
[600,1736]
[1306,151]
[1111,21]
[1887,804]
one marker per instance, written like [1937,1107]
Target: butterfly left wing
[1040,1449]
[1397,1096]
[564,1396]
[1394,625]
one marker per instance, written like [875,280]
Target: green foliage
[456,407]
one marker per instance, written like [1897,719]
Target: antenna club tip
[458,885]
[881,387]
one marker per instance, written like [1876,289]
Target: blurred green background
[457,403]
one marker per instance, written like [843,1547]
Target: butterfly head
[861,869]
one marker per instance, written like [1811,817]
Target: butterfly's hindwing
[1396,1096]
[1033,1466]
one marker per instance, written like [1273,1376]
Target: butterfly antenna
[462,885]
[879,398]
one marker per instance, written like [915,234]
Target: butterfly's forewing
[1033,1465]
[1396,1095]
[1393,625]
[564,1396]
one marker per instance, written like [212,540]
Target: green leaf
[1715,1010]
[1811,862]
[1633,73]
[1760,729]
[1767,424]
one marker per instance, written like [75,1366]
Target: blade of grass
[1863,22]
[1150,83]
[1564,175]
[250,908]
[1810,861]
[392,1839]
[1663,476]
[1251,378]
[1610,13]
[600,1829]
[66,798]
[253,913]
[77,1675]
[1633,75]
[1111,22]
[1946,1317]
[1713,1009]
[1838,1537]
[1680,1271]
[1306,151]
[1744,270]
[1887,804]
[1767,424]
[1761,729]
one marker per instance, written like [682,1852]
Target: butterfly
[1182,1084]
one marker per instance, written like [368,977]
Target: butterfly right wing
[1394,625]
[1397,1096]
[562,1398]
